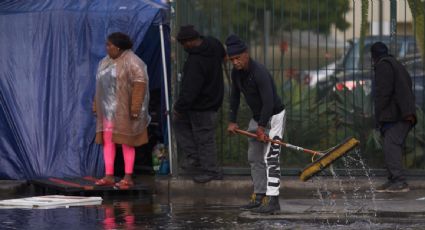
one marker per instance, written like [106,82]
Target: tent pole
[167,103]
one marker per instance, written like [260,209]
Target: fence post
[393,26]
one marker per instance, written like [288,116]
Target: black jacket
[202,86]
[394,98]
[259,90]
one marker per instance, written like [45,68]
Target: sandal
[104,182]
[124,184]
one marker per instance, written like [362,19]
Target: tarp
[49,54]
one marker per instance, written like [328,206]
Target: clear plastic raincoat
[121,91]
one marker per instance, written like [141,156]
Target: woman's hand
[134,115]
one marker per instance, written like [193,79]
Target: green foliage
[232,149]
[236,15]
[415,146]
[315,119]
[418,12]
[354,116]
[319,123]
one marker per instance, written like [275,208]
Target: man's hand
[261,135]
[231,128]
[411,119]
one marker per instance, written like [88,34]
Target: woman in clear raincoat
[121,106]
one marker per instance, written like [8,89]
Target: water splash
[370,182]
[319,182]
[354,199]
[358,196]
[344,194]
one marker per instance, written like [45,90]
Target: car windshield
[352,62]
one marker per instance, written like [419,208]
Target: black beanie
[187,32]
[378,49]
[235,45]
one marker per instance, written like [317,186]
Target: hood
[209,47]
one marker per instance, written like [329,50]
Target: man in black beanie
[257,85]
[395,113]
[195,110]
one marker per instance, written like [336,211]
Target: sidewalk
[331,200]
[183,185]
[396,209]
[12,188]
[242,184]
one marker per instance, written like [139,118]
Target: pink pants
[109,151]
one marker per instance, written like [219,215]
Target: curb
[337,218]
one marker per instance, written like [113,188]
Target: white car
[311,77]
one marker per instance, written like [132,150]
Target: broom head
[328,158]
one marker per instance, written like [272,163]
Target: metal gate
[318,53]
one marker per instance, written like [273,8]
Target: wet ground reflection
[150,214]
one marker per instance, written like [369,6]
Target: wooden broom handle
[287,145]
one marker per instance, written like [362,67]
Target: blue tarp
[49,54]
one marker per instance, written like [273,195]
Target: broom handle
[287,145]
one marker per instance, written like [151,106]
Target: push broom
[325,159]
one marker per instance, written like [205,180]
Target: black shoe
[255,202]
[204,178]
[191,167]
[398,187]
[270,205]
[383,187]
[189,170]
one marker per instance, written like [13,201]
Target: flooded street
[347,203]
[128,213]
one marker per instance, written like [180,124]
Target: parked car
[414,65]
[311,77]
[351,63]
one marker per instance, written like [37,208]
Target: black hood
[202,86]
[208,48]
[378,59]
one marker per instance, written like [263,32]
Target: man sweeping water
[268,122]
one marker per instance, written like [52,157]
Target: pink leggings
[109,151]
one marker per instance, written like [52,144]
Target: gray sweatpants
[394,140]
[264,157]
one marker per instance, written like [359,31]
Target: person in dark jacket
[395,113]
[268,121]
[195,110]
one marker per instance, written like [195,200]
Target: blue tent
[49,54]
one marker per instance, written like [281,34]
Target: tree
[363,26]
[318,15]
[418,12]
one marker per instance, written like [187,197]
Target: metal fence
[321,64]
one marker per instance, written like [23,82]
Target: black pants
[195,134]
[394,141]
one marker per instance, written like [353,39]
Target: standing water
[350,196]
[340,204]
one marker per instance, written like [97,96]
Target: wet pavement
[317,206]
